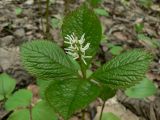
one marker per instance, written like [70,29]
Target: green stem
[47,18]
[30,112]
[84,77]
[103,105]
[83,72]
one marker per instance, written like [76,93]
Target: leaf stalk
[103,105]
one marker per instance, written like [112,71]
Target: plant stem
[84,77]
[47,18]
[83,114]
[82,68]
[83,72]
[30,112]
[41,14]
[100,118]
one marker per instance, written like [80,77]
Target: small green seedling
[23,109]
[146,3]
[67,85]
[139,27]
[18,11]
[20,102]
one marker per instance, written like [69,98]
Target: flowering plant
[76,48]
[59,76]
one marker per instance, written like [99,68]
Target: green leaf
[20,115]
[156,42]
[74,62]
[1,97]
[143,37]
[88,73]
[18,11]
[55,23]
[106,92]
[102,12]
[144,89]
[80,21]
[42,111]
[43,84]
[46,60]
[116,50]
[19,99]
[125,70]
[7,85]
[109,116]
[70,95]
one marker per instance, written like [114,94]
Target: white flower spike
[77,48]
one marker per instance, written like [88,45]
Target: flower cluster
[76,47]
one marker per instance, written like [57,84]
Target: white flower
[77,48]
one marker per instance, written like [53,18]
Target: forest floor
[20,21]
